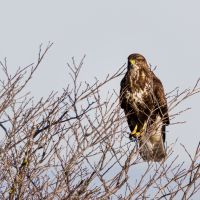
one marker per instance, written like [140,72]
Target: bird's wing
[122,92]
[159,94]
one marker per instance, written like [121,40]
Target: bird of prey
[143,99]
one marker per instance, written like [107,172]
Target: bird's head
[136,60]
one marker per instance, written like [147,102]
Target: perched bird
[143,99]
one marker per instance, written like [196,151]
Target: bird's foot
[135,134]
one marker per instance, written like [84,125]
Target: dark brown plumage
[143,99]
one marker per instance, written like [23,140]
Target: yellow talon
[137,134]
[144,127]
[134,133]
[135,130]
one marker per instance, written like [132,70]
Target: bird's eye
[140,59]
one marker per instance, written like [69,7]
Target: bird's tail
[152,151]
[152,147]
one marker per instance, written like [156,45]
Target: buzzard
[143,99]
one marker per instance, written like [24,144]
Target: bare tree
[76,146]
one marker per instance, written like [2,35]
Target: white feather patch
[151,144]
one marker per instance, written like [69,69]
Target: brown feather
[143,99]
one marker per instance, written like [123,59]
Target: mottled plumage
[143,99]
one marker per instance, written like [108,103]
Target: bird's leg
[138,134]
[135,133]
[143,129]
[144,126]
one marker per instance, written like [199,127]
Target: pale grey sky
[167,33]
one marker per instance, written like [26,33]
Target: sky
[165,32]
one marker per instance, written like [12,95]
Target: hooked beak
[131,64]
[132,61]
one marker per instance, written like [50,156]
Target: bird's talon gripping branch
[143,99]
[134,133]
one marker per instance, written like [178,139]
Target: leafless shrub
[75,145]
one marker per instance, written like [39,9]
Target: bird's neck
[138,76]
[139,72]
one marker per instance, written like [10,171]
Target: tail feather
[152,150]
[152,143]
[159,151]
